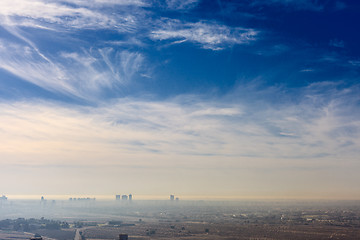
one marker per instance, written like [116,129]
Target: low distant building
[172,197]
[3,197]
[82,199]
[117,197]
[124,197]
[177,199]
[36,237]
[123,237]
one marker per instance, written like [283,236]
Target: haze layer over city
[207,100]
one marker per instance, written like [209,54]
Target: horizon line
[106,197]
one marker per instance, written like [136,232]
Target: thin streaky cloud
[316,127]
[45,14]
[181,4]
[79,74]
[208,35]
[100,3]
[26,62]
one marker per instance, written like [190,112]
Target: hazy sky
[247,98]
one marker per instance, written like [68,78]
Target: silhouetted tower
[172,197]
[130,197]
[117,197]
[123,237]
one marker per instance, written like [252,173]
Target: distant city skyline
[201,99]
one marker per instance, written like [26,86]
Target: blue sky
[198,98]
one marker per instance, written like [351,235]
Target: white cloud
[208,34]
[26,63]
[82,74]
[99,3]
[122,64]
[44,14]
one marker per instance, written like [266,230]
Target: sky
[197,98]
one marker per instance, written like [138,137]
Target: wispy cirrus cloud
[101,3]
[79,15]
[208,35]
[83,74]
[181,4]
[92,72]
[25,62]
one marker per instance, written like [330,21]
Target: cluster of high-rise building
[124,197]
[172,198]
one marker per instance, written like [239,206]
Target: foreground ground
[195,220]
[223,231]
[196,230]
